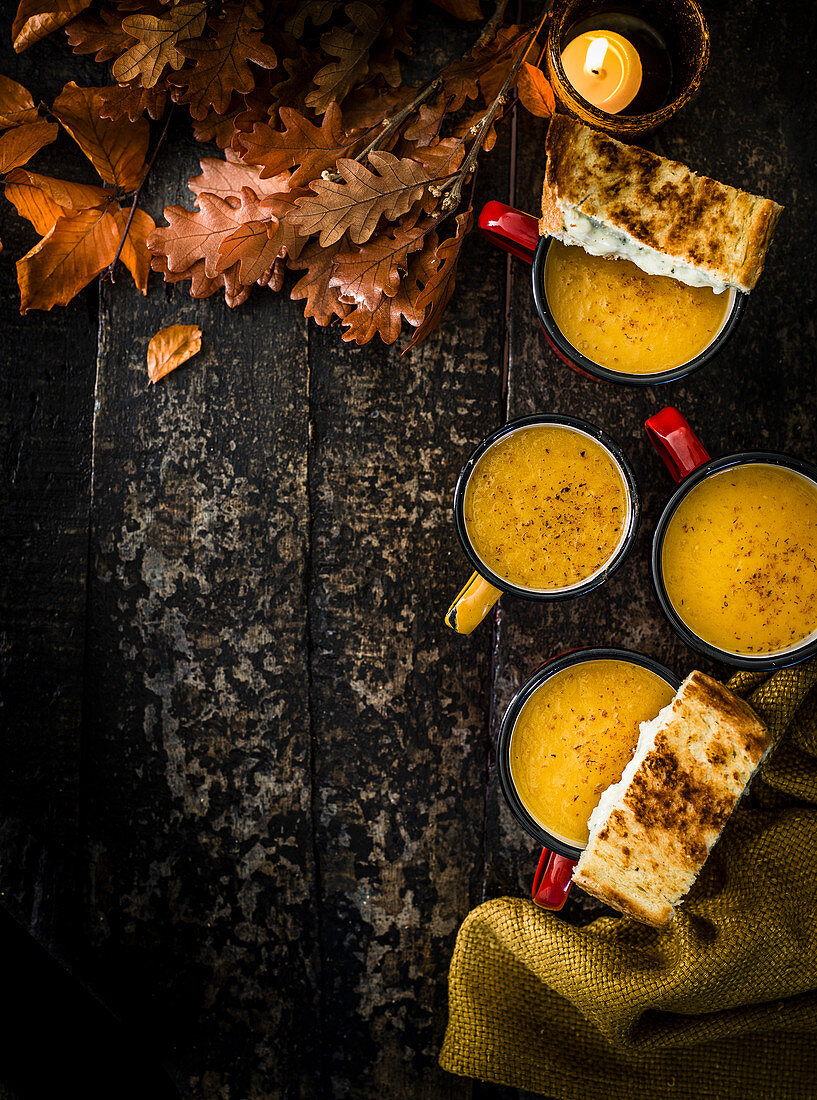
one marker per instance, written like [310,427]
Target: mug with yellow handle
[546,508]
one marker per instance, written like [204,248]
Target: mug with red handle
[518,233]
[689,464]
[554,873]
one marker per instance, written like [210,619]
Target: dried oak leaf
[365,108]
[193,235]
[225,178]
[116,149]
[350,46]
[364,275]
[156,41]
[222,63]
[73,251]
[301,145]
[426,124]
[19,145]
[16,105]
[201,285]
[132,100]
[43,200]
[535,93]
[135,255]
[358,203]
[386,321]
[103,37]
[319,11]
[171,347]
[257,245]
[395,37]
[322,299]
[461,9]
[37,18]
[436,293]
[484,71]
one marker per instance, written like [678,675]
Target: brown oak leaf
[19,145]
[135,255]
[132,100]
[495,59]
[461,9]
[37,18]
[194,235]
[350,46]
[535,93]
[256,245]
[425,125]
[301,145]
[116,149]
[156,41]
[366,107]
[170,347]
[225,178]
[318,11]
[358,203]
[322,299]
[436,293]
[43,200]
[73,251]
[16,105]
[201,285]
[222,63]
[386,321]
[364,275]
[395,38]
[103,37]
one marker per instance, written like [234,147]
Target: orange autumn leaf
[16,104]
[37,18]
[312,148]
[535,94]
[43,200]
[171,347]
[436,293]
[19,145]
[116,149]
[70,255]
[135,255]
[156,40]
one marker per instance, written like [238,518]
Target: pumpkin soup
[739,559]
[546,507]
[574,736]
[623,319]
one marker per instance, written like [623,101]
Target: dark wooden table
[248,786]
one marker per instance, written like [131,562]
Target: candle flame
[596,53]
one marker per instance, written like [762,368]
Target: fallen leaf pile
[331,168]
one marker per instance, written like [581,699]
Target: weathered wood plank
[753,128]
[200,906]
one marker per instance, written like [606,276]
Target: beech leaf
[73,251]
[535,93]
[358,203]
[43,200]
[350,46]
[301,145]
[171,347]
[116,149]
[460,9]
[156,41]
[436,294]
[221,63]
[135,255]
[37,18]
[16,104]
[19,145]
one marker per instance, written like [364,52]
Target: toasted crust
[659,203]
[646,855]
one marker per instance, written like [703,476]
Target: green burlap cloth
[722,1004]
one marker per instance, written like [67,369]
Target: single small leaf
[460,9]
[132,100]
[322,299]
[16,105]
[171,347]
[116,149]
[156,41]
[135,255]
[43,200]
[221,63]
[66,259]
[535,93]
[436,294]
[37,18]
[19,145]
[350,47]
[103,37]
[425,125]
[358,203]
[301,145]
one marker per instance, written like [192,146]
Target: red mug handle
[676,443]
[509,229]
[552,881]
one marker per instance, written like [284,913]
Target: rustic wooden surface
[248,783]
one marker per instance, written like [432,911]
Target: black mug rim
[700,473]
[503,748]
[613,563]
[574,356]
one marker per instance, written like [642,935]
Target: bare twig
[108,272]
[490,27]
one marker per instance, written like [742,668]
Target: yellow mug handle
[472,604]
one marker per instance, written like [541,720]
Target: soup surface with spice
[546,507]
[623,319]
[739,559]
[574,737]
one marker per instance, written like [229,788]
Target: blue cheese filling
[600,240]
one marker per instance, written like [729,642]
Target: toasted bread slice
[653,830]
[620,201]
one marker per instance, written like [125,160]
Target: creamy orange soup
[546,507]
[739,559]
[623,319]
[574,737]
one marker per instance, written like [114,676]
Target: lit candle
[604,68]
